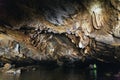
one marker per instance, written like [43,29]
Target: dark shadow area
[101,72]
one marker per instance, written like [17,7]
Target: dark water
[48,73]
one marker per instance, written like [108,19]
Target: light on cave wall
[96,8]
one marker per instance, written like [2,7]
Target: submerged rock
[9,69]
[13,71]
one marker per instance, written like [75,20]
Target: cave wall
[60,30]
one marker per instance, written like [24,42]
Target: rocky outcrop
[64,31]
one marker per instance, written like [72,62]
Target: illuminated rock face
[60,30]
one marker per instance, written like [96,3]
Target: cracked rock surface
[64,31]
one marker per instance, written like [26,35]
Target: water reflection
[4,76]
[93,74]
[44,73]
[54,74]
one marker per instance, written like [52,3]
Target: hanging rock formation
[64,31]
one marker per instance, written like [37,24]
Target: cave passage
[59,31]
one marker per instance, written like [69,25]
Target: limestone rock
[64,31]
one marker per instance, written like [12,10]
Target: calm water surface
[59,73]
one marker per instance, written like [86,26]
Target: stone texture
[59,30]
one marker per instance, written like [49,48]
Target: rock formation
[63,31]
